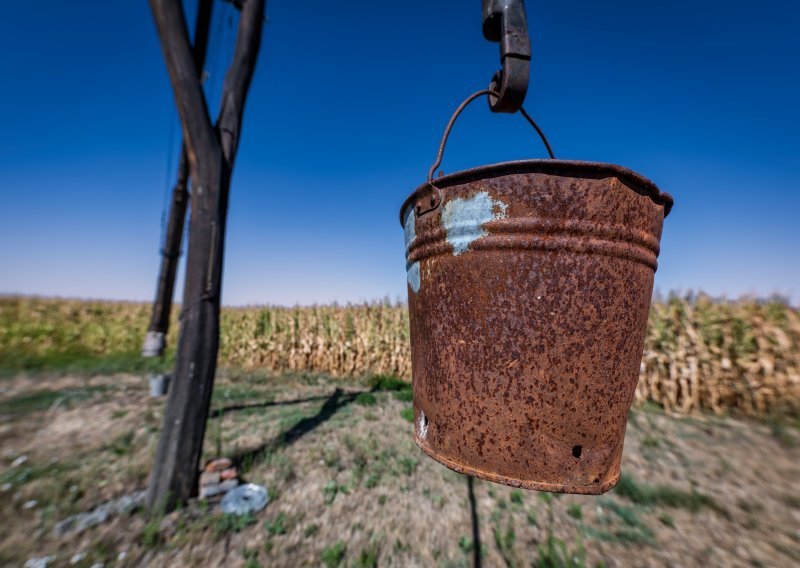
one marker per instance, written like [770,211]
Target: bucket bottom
[594,489]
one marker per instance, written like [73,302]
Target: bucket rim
[547,166]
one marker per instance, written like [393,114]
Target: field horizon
[658,296]
[700,353]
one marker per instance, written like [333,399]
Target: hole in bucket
[422,425]
[576,451]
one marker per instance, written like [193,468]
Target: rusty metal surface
[529,290]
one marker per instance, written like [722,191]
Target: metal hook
[504,21]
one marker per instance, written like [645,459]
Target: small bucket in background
[159,385]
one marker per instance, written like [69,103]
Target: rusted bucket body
[529,288]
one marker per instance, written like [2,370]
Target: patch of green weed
[333,555]
[225,524]
[574,510]
[277,526]
[122,444]
[408,465]
[645,494]
[465,544]
[366,399]
[406,395]
[650,442]
[555,553]
[251,558]
[368,557]
[331,490]
[633,531]
[505,543]
[151,533]
[387,383]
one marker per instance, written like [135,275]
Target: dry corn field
[700,353]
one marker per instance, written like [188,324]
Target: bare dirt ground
[348,487]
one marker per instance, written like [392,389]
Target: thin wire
[449,127]
[437,199]
[213,61]
[225,41]
[524,113]
[219,76]
[232,39]
[461,107]
[168,177]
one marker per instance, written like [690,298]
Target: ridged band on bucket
[529,289]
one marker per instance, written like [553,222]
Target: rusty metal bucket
[529,286]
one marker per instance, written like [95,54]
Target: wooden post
[155,339]
[211,151]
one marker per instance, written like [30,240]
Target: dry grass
[700,354]
[348,487]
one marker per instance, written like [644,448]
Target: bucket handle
[486,92]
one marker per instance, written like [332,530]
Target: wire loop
[461,107]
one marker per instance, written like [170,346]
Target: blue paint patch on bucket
[409,230]
[463,219]
[414,277]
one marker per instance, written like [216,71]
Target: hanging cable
[212,66]
[168,176]
[223,53]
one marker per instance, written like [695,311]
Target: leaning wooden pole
[155,339]
[211,150]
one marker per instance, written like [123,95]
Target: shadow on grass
[333,403]
[217,412]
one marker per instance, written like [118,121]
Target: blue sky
[344,117]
